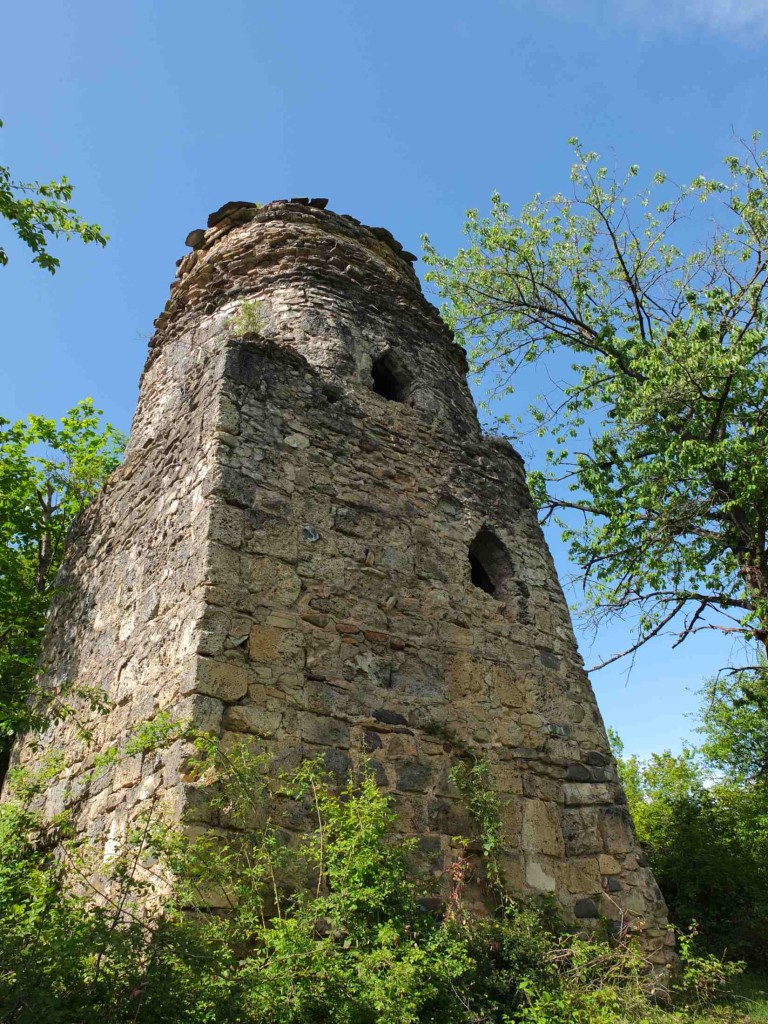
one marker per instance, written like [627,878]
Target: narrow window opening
[490,566]
[478,575]
[386,381]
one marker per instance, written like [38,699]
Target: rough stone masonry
[312,544]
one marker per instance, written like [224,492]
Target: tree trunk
[756,581]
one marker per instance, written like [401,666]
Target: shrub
[334,926]
[706,836]
[247,321]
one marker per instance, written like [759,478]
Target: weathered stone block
[252,719]
[537,876]
[583,794]
[273,583]
[413,776]
[326,732]
[127,771]
[225,680]
[202,712]
[449,817]
[270,645]
[608,865]
[579,876]
[580,832]
[541,832]
[586,908]
[616,830]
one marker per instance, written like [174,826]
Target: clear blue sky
[404,114]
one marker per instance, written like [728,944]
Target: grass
[748,1004]
[752,996]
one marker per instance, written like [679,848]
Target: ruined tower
[311,543]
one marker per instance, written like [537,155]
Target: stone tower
[311,543]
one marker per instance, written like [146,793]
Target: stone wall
[285,556]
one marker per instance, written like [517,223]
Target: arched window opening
[489,563]
[386,380]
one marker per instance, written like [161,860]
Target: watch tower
[311,543]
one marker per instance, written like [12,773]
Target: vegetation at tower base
[49,471]
[702,817]
[658,471]
[39,212]
[340,927]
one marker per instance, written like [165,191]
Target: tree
[704,825]
[658,470]
[734,721]
[38,212]
[49,472]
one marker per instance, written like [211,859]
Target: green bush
[247,321]
[335,926]
[702,816]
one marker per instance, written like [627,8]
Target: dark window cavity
[387,382]
[478,574]
[489,563]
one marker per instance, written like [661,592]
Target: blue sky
[404,114]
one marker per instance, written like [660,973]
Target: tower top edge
[235,213]
[314,263]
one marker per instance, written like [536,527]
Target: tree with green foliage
[40,211]
[49,472]
[647,307]
[702,817]
[734,721]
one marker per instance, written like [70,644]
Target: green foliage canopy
[653,302]
[702,816]
[49,472]
[39,212]
[734,722]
